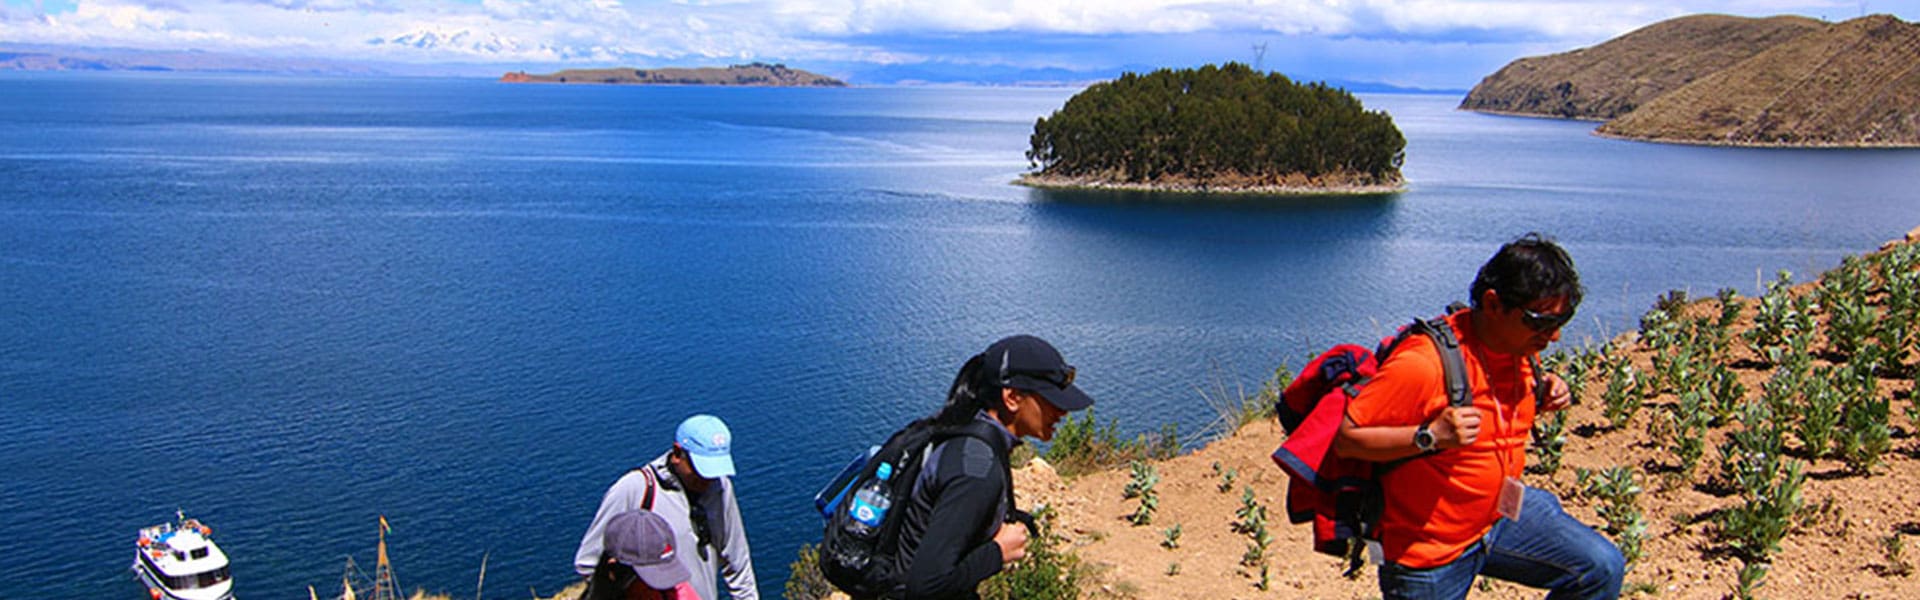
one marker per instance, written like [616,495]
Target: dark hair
[609,580]
[975,388]
[1526,270]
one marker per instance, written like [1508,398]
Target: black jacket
[959,503]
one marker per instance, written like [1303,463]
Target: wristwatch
[1423,438]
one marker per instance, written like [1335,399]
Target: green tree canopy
[1224,123]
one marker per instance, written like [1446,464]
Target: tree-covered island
[1216,129]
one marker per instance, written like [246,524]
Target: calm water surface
[289,306]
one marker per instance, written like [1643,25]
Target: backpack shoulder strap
[646,502]
[1540,390]
[984,432]
[1453,365]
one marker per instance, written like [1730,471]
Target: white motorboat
[179,561]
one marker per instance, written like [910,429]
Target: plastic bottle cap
[885,471]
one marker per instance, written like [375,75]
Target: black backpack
[865,566]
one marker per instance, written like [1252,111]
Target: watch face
[1423,439]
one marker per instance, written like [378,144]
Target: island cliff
[755,74]
[1616,77]
[1715,79]
[1850,84]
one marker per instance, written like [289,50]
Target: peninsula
[1216,129]
[754,74]
[1723,80]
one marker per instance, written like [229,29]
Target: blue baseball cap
[708,443]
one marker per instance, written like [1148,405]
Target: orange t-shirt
[1437,505]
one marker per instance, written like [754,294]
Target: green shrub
[1758,436]
[1724,392]
[1778,316]
[1822,414]
[1684,428]
[1619,505]
[1729,309]
[804,581]
[1082,445]
[1769,490]
[1851,323]
[1047,573]
[1867,435]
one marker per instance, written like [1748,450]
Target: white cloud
[854,31]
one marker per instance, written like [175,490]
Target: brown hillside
[1852,83]
[1614,78]
[1836,547]
[756,74]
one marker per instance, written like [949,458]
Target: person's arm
[1455,427]
[1408,390]
[736,560]
[624,495]
[953,557]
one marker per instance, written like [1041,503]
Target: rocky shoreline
[1816,145]
[1302,187]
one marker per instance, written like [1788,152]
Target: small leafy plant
[1622,395]
[1619,496]
[1145,477]
[1226,477]
[1895,551]
[1549,443]
[1752,576]
[1170,537]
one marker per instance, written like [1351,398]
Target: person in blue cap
[691,487]
[954,535]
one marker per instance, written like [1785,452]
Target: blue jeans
[1544,549]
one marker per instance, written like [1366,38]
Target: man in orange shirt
[1455,508]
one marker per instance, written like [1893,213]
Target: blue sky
[1417,43]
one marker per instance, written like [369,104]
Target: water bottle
[870,504]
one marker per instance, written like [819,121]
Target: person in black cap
[953,536]
[639,562]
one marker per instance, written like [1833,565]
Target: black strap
[1540,390]
[1453,369]
[646,470]
[646,503]
[1453,365]
[980,431]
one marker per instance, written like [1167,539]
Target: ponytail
[974,389]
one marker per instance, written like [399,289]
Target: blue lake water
[289,305]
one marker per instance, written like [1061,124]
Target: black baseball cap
[1024,362]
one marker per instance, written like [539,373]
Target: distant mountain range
[61,58]
[1717,79]
[756,74]
[43,58]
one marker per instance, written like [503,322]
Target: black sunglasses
[1061,377]
[1544,322]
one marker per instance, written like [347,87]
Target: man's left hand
[1559,396]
